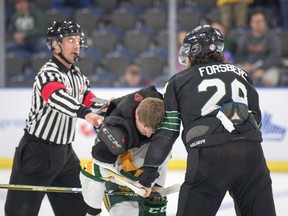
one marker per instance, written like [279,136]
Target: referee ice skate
[45,156]
[219,109]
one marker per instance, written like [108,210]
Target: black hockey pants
[238,168]
[37,162]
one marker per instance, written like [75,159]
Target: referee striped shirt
[58,95]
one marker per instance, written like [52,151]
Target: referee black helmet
[60,29]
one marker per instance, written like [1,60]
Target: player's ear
[56,47]
[136,113]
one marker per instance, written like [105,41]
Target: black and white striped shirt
[58,95]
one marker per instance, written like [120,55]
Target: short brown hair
[132,68]
[151,112]
[259,11]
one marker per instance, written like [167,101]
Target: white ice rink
[280,187]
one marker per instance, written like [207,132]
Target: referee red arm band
[50,88]
[87,99]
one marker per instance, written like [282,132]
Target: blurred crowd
[128,39]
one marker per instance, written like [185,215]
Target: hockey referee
[45,156]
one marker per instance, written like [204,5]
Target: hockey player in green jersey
[120,147]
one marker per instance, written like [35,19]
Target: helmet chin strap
[63,57]
[77,57]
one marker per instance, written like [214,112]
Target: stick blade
[170,189]
[99,100]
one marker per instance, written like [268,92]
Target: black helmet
[60,29]
[201,41]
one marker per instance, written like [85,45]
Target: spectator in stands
[27,29]
[133,77]
[259,51]
[233,11]
[272,8]
[230,43]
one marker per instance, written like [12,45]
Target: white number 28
[211,104]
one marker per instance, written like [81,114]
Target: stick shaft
[34,188]
[37,188]
[58,189]
[40,188]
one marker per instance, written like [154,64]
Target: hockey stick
[99,100]
[126,182]
[36,188]
[102,101]
[40,188]
[163,192]
[170,189]
[140,191]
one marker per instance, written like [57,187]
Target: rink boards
[15,105]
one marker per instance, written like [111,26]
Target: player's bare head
[150,112]
[201,44]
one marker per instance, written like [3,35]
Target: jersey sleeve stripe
[171,121]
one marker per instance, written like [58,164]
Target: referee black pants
[238,168]
[37,162]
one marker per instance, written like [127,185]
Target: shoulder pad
[115,137]
[128,105]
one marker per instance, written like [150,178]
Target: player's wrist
[145,183]
[148,176]
[83,111]
[146,180]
